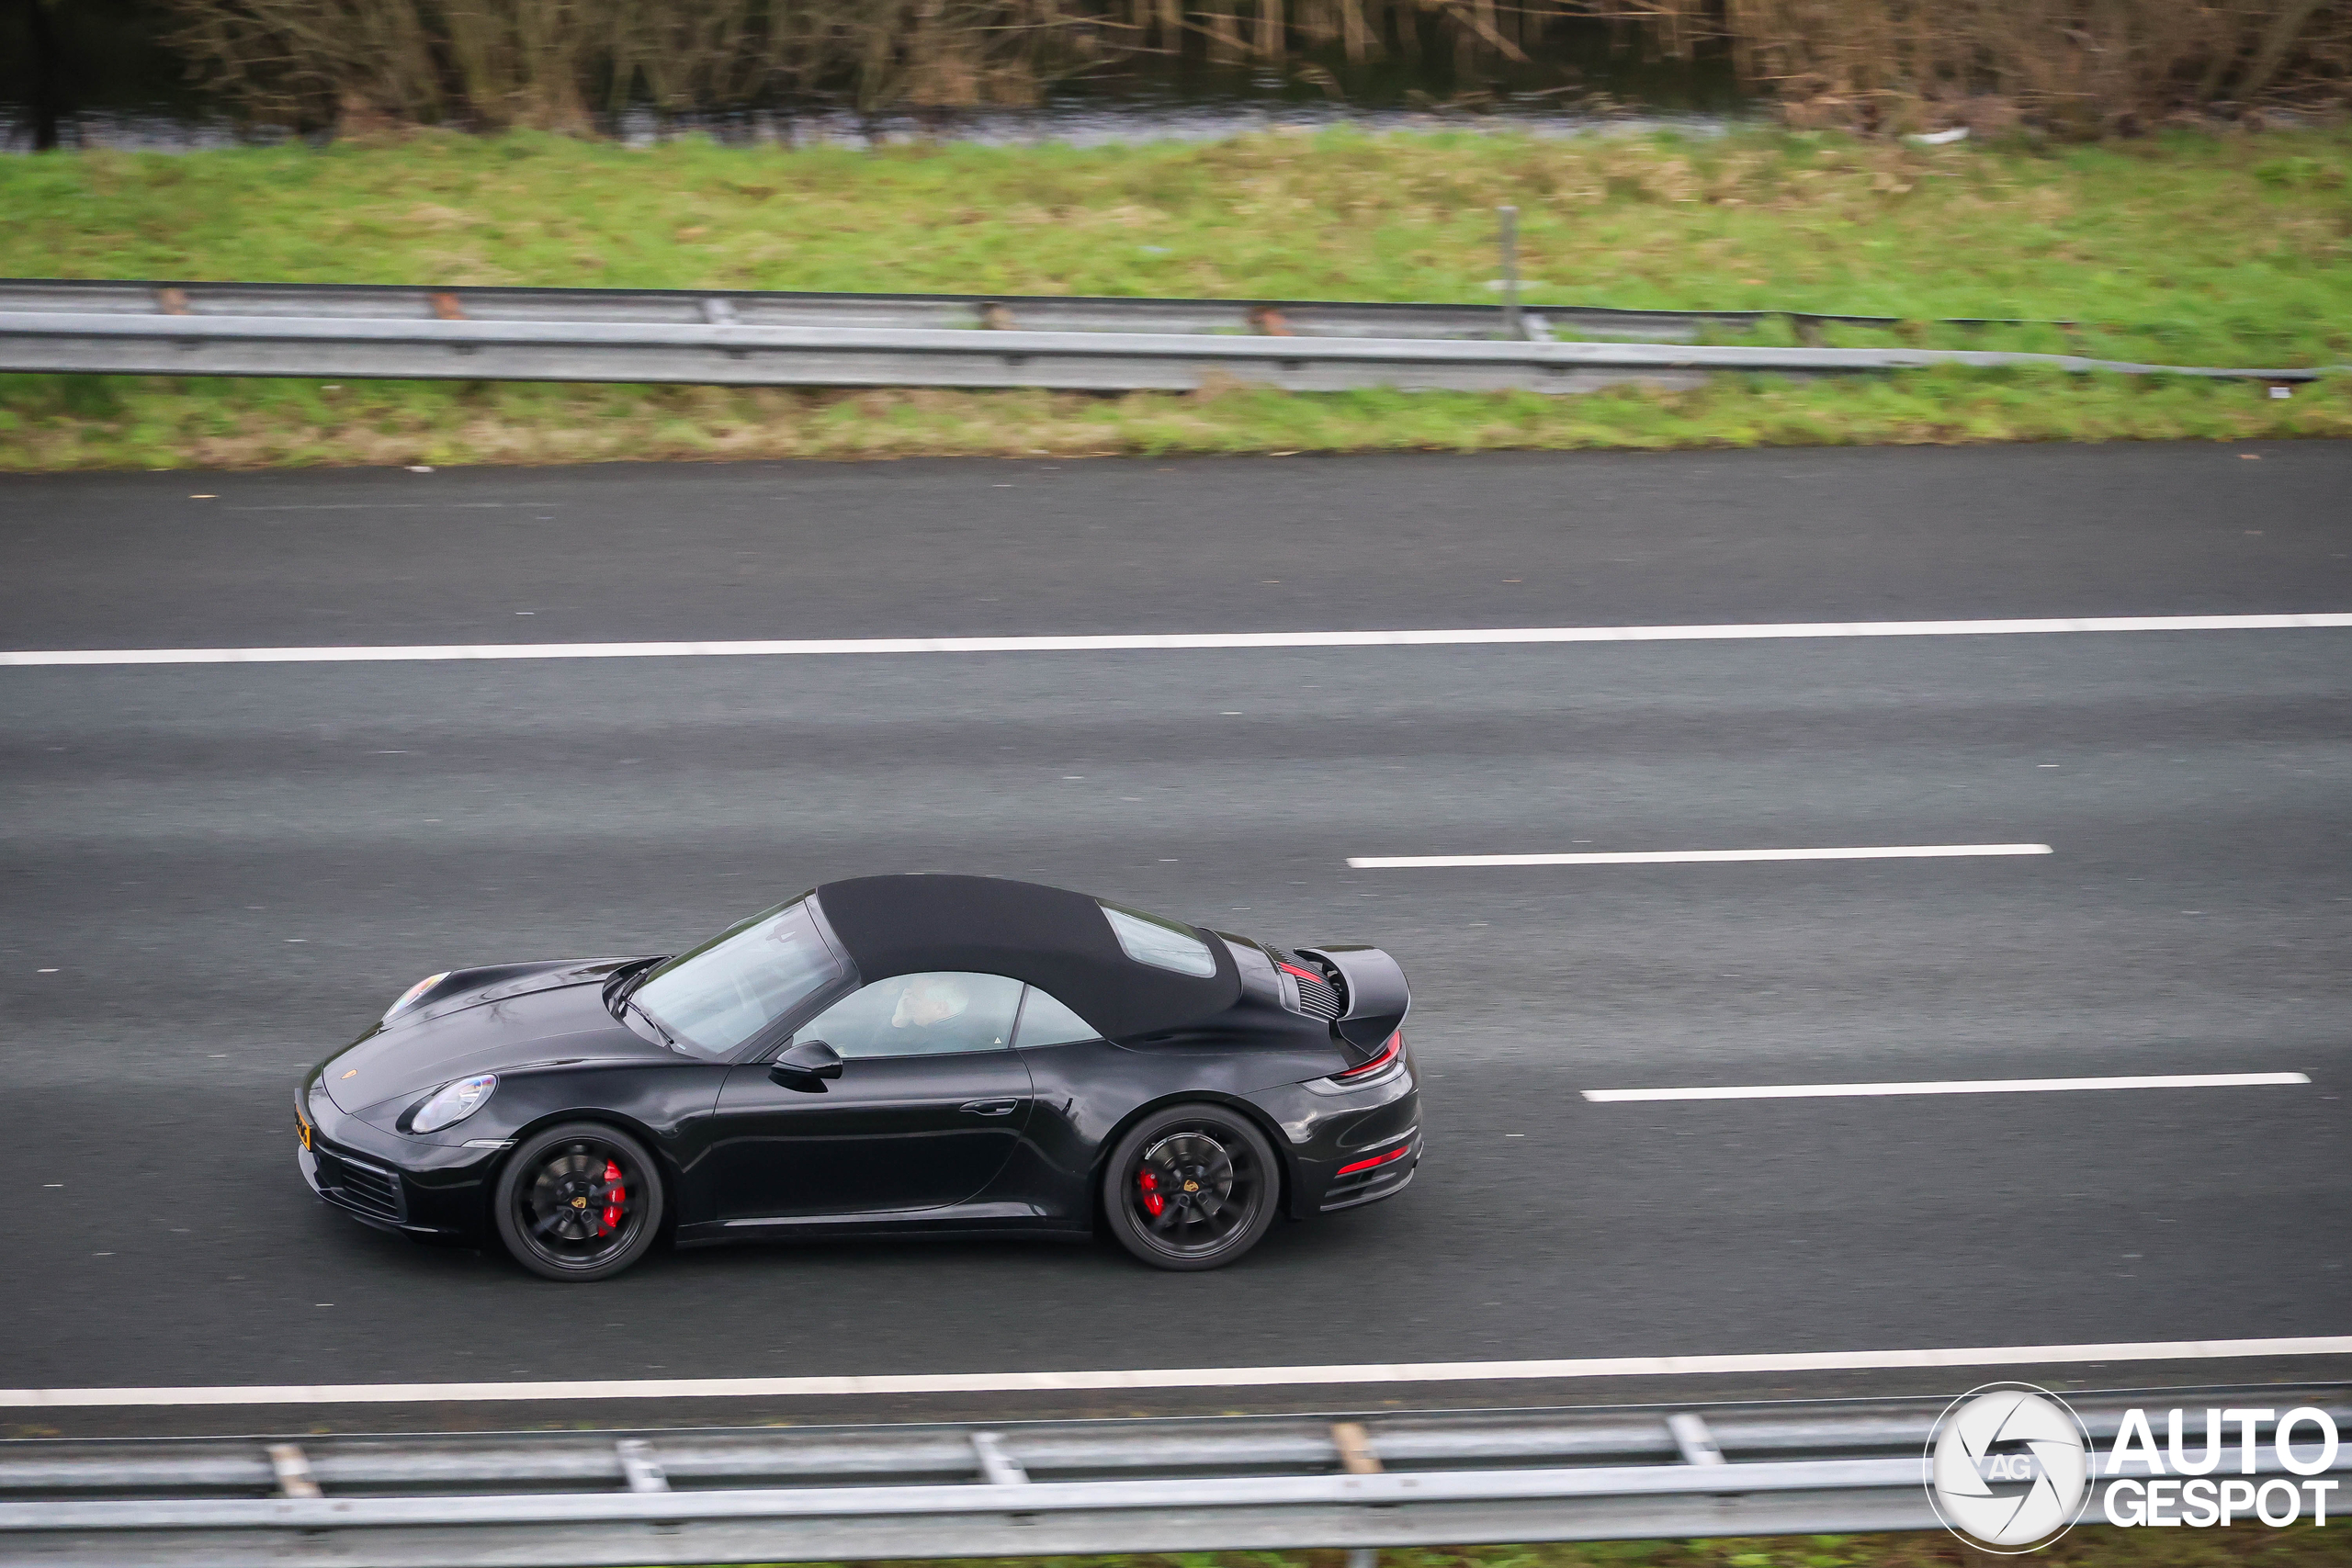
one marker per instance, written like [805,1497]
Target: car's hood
[490,1020]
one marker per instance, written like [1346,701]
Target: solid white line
[1209,1377]
[1676,857]
[1957,1086]
[1162,641]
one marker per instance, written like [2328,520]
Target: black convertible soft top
[1054,939]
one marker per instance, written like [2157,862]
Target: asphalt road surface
[216,875]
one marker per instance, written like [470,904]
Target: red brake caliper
[1152,1200]
[613,1199]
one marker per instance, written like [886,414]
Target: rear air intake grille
[1317,997]
[362,1187]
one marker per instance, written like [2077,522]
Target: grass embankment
[2182,250]
[2247,1546]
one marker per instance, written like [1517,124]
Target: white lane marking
[1162,641]
[395,506]
[1202,1376]
[1955,1085]
[1678,857]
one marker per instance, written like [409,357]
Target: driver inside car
[930,1000]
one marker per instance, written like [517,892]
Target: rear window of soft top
[1162,943]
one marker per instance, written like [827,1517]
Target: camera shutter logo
[2008,1467]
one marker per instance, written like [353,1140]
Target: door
[929,1106]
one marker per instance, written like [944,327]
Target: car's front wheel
[578,1202]
[1191,1187]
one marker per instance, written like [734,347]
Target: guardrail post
[1691,1436]
[292,1468]
[1508,236]
[644,1472]
[1357,1458]
[1267,320]
[997,1467]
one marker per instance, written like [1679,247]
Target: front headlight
[453,1104]
[413,992]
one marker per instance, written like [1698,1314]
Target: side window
[920,1015]
[1162,943]
[1045,1021]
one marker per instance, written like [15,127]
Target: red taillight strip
[1304,973]
[1376,1159]
[1387,1055]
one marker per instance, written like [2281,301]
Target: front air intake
[369,1189]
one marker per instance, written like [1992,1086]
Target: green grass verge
[2233,250]
[2089,1547]
[53,424]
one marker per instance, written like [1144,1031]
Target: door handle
[991,1107]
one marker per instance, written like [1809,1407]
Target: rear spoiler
[1378,997]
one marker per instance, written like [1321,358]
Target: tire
[577,1202]
[1215,1177]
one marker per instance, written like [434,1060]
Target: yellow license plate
[302,1129]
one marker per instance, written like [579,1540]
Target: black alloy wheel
[577,1202]
[1192,1187]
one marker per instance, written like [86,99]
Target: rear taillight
[1388,1054]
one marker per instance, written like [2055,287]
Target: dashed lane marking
[1954,1086]
[1695,857]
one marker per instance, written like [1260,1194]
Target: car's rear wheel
[578,1202]
[1191,1187]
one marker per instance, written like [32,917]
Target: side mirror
[806,1066]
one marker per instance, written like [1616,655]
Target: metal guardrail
[935,340]
[879,356]
[938,312]
[770,1494]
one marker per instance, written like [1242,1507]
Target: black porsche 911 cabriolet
[883,1055]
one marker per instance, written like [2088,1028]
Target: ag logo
[2009,1468]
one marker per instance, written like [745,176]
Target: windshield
[713,998]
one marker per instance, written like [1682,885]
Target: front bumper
[394,1183]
